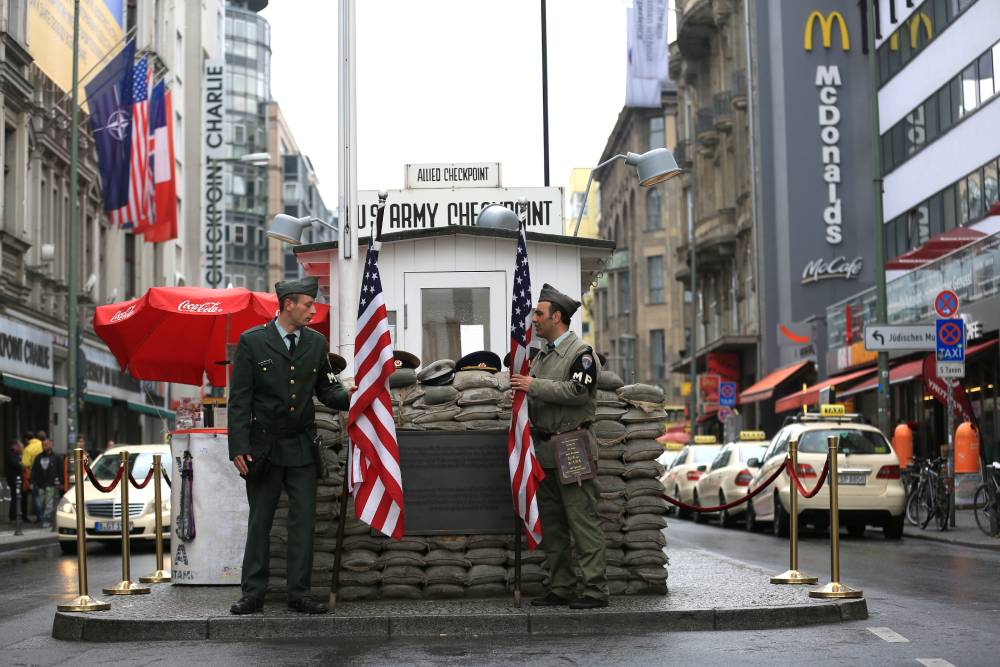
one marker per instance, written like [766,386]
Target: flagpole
[74,259]
[347,137]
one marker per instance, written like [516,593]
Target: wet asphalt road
[944,601]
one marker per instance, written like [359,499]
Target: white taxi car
[682,475]
[871,492]
[103,512]
[728,478]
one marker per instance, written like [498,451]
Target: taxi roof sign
[752,435]
[832,410]
[705,440]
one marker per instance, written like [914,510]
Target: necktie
[291,343]
[550,347]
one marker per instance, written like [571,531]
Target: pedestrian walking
[278,368]
[32,448]
[45,475]
[562,387]
[12,473]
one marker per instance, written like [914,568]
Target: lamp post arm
[586,193]
[322,222]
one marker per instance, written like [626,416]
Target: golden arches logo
[826,30]
[915,21]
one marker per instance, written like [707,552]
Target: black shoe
[587,602]
[308,606]
[550,600]
[247,604]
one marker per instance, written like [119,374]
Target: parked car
[669,455]
[103,514]
[728,477]
[679,480]
[871,492]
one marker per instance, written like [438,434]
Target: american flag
[375,479]
[525,473]
[140,192]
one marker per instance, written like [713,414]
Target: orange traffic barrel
[966,448]
[902,442]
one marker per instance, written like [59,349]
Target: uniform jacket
[271,395]
[563,393]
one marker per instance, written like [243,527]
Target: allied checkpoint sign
[950,350]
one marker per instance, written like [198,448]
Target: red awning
[810,395]
[910,370]
[934,247]
[764,389]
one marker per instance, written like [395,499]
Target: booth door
[450,314]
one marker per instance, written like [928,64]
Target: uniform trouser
[299,483]
[571,510]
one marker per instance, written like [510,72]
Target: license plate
[855,479]
[110,526]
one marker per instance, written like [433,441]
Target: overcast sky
[452,81]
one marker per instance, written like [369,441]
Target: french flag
[161,153]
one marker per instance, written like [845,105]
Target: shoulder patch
[583,371]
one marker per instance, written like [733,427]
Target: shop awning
[154,410]
[97,399]
[810,395]
[764,389]
[18,383]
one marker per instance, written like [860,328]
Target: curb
[29,543]
[94,628]
[931,537]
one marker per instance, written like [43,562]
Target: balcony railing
[705,121]
[722,105]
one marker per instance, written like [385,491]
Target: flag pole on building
[74,258]
[347,175]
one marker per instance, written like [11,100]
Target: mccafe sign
[838,267]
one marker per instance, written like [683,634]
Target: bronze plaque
[573,456]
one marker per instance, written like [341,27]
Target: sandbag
[400,558]
[481,396]
[529,573]
[645,557]
[475,379]
[614,556]
[353,593]
[444,591]
[646,505]
[431,416]
[608,412]
[617,587]
[644,522]
[359,560]
[449,542]
[403,377]
[639,430]
[610,467]
[642,449]
[527,556]
[487,590]
[417,544]
[638,415]
[650,574]
[642,469]
[610,486]
[364,542]
[503,381]
[613,510]
[608,432]
[646,393]
[348,578]
[614,573]
[445,426]
[402,592]
[610,452]
[614,539]
[412,394]
[643,487]
[478,412]
[487,424]
[443,395]
[655,538]
[443,557]
[638,586]
[489,541]
[486,556]
[446,574]
[609,398]
[609,381]
[404,574]
[486,574]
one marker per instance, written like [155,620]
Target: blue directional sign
[950,339]
[727,394]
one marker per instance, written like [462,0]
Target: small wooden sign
[573,456]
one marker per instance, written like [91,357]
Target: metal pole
[126,586]
[16,499]
[752,141]
[83,602]
[951,452]
[347,294]
[881,308]
[161,575]
[74,256]
[545,99]
[694,312]
[793,576]
[834,589]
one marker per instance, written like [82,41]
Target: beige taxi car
[728,477]
[871,492]
[680,478]
[103,511]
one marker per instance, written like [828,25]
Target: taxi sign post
[950,352]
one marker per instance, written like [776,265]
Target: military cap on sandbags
[438,373]
[483,360]
[308,286]
[406,359]
[337,362]
[532,351]
[552,295]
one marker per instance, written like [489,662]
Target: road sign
[950,348]
[951,369]
[724,414]
[727,394]
[881,337]
[946,303]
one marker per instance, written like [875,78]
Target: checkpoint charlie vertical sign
[213,245]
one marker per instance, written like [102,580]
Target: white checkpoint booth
[219,505]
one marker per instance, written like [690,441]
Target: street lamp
[652,167]
[289,230]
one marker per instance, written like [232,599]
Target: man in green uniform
[561,397]
[277,369]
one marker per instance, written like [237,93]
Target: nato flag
[109,96]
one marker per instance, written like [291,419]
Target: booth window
[456,321]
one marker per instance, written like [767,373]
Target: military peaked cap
[406,359]
[308,286]
[483,360]
[552,295]
[438,373]
[337,362]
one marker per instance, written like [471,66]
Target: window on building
[239,280]
[239,234]
[624,294]
[970,88]
[291,192]
[239,134]
[986,74]
[657,138]
[975,190]
[130,267]
[657,354]
[654,272]
[654,218]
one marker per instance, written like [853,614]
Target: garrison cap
[308,286]
[483,360]
[552,295]
[337,362]
[406,359]
[438,373]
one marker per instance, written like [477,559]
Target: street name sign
[950,347]
[882,337]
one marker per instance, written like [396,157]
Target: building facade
[591,214]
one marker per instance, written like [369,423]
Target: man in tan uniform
[561,397]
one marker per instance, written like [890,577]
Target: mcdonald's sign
[826,30]
[917,20]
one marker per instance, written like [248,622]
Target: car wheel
[699,517]
[892,529]
[856,529]
[681,513]
[68,547]
[751,518]
[726,519]
[782,520]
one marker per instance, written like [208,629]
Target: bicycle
[987,507]
[912,475]
[930,499]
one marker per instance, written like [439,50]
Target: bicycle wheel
[916,508]
[981,506]
[942,508]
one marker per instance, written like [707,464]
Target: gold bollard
[125,586]
[792,575]
[161,576]
[82,602]
[834,589]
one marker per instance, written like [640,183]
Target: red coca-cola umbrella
[179,334]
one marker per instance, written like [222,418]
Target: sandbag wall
[629,418]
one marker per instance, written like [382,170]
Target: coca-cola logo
[123,314]
[838,267]
[186,306]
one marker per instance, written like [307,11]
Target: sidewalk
[965,533]
[33,536]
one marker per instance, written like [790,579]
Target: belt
[541,435]
[280,432]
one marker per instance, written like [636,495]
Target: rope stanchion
[834,589]
[83,602]
[149,476]
[164,476]
[100,487]
[161,576]
[792,574]
[719,508]
[793,474]
[126,586]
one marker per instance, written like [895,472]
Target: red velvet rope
[164,477]
[719,508]
[819,485]
[100,487]
[149,476]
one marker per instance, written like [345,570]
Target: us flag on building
[525,473]
[375,479]
[140,180]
